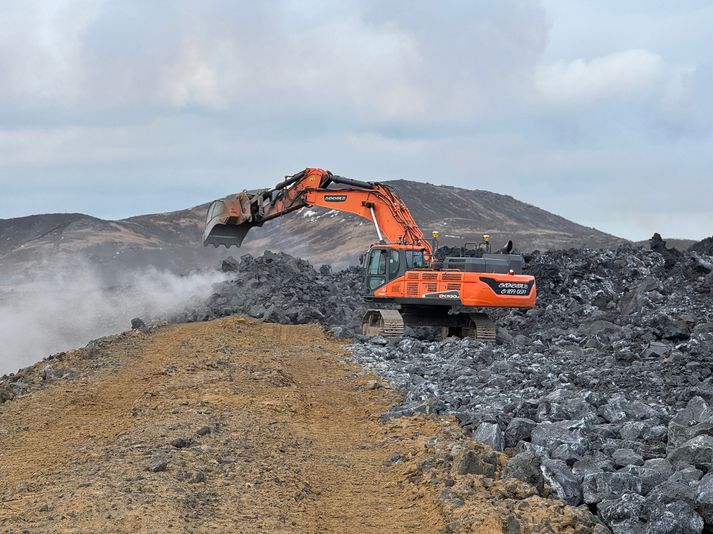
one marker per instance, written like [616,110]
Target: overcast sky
[600,111]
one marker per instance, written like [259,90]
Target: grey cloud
[112,107]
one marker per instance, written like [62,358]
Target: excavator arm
[230,220]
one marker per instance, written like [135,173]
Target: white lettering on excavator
[513,288]
[513,285]
[335,198]
[519,292]
[519,289]
[449,295]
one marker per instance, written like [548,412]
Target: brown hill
[173,240]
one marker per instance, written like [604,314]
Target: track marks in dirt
[283,436]
[239,426]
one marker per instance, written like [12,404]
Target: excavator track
[387,323]
[481,327]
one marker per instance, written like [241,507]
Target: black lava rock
[611,372]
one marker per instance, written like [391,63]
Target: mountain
[173,240]
[167,241]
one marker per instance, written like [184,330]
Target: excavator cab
[385,263]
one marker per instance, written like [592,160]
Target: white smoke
[71,305]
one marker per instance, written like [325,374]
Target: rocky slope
[601,396]
[603,391]
[240,426]
[173,240]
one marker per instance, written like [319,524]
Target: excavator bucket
[228,222]
[225,234]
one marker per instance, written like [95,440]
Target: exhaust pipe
[506,249]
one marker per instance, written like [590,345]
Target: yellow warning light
[486,237]
[434,234]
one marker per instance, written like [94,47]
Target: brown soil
[282,434]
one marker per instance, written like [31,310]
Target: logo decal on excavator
[516,289]
[453,294]
[335,198]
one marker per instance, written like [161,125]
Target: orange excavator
[404,282]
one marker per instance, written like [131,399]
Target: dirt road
[239,426]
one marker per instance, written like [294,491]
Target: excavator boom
[230,220]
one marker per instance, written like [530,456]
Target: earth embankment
[235,425]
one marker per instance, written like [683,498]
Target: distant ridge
[173,240]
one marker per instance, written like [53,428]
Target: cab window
[377,262]
[394,263]
[415,259]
